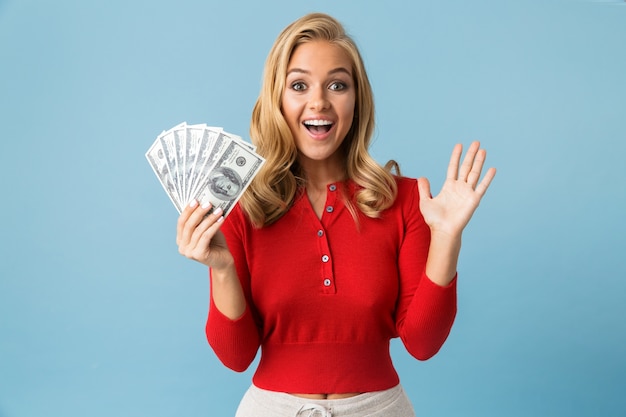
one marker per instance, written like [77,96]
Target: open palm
[451,210]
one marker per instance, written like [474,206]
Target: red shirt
[326,296]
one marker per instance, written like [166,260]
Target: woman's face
[224,185]
[319,99]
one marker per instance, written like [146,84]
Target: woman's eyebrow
[331,72]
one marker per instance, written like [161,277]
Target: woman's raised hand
[198,236]
[450,211]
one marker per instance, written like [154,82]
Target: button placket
[331,198]
[326,277]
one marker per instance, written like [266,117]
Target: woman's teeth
[318,126]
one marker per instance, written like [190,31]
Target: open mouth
[318,126]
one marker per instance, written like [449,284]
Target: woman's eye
[338,86]
[298,86]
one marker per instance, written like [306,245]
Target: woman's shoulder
[406,192]
[407,196]
[402,181]
[407,186]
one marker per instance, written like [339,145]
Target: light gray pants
[262,403]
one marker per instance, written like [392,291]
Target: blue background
[100,316]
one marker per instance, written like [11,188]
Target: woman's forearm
[443,256]
[227,292]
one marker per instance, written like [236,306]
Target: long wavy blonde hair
[277,184]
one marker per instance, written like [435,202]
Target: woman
[328,255]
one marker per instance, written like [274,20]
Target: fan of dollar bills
[203,163]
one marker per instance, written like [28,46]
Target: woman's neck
[318,174]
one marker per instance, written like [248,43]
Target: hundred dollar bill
[230,176]
[196,136]
[168,145]
[241,141]
[158,162]
[180,142]
[207,156]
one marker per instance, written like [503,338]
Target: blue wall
[100,316]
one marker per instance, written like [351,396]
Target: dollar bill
[158,162]
[241,141]
[202,140]
[230,176]
[207,157]
[195,136]
[168,145]
[203,162]
[180,142]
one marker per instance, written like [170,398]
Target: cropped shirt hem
[313,367]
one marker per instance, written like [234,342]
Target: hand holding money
[198,236]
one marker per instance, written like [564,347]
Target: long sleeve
[235,342]
[426,311]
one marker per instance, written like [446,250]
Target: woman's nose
[318,100]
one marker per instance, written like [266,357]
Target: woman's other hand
[451,210]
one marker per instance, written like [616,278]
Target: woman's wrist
[224,272]
[443,255]
[227,292]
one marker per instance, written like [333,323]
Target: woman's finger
[205,239]
[468,161]
[182,220]
[481,188]
[423,188]
[198,215]
[194,220]
[477,167]
[455,158]
[201,229]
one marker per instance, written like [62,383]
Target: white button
[325,258]
[327,282]
[329,209]
[332,187]
[320,233]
